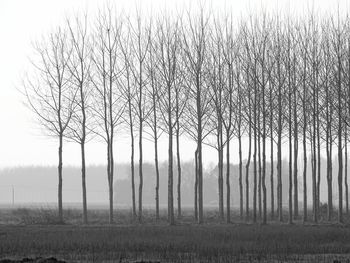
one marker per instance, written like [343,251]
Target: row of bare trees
[266,80]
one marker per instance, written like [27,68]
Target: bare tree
[194,43]
[128,85]
[152,121]
[181,98]
[303,40]
[49,94]
[109,105]
[248,103]
[265,72]
[233,97]
[79,65]
[337,50]
[215,80]
[280,81]
[168,46]
[140,43]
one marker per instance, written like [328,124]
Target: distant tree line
[269,80]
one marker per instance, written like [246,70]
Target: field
[33,233]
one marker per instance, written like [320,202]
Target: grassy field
[37,235]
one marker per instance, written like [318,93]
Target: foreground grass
[35,233]
[191,243]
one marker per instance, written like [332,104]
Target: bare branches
[209,78]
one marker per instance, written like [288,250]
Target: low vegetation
[32,233]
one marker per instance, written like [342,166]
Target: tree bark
[196,186]
[83,177]
[140,110]
[249,156]
[329,169]
[199,147]
[179,214]
[290,194]
[296,146]
[272,189]
[255,153]
[314,160]
[132,164]
[340,153]
[157,174]
[264,155]
[318,155]
[304,147]
[228,188]
[60,165]
[220,170]
[240,173]
[279,145]
[170,165]
[140,166]
[346,172]
[260,173]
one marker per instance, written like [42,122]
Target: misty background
[28,172]
[37,185]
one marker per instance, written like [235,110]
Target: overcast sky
[24,21]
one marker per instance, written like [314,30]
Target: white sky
[24,21]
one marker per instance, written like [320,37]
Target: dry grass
[33,233]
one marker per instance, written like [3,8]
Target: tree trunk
[178,168]
[140,112]
[255,177]
[240,173]
[290,199]
[220,171]
[196,185]
[199,147]
[331,177]
[340,173]
[110,194]
[60,166]
[82,148]
[132,164]
[340,153]
[346,172]
[170,174]
[264,159]
[260,174]
[296,147]
[83,177]
[304,171]
[279,149]
[132,157]
[140,170]
[290,193]
[228,189]
[111,177]
[170,165]
[272,188]
[254,156]
[248,161]
[314,170]
[157,174]
[200,181]
[271,159]
[318,161]
[329,173]
[304,146]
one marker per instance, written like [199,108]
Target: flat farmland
[180,243]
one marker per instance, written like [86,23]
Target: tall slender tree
[79,65]
[108,103]
[49,94]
